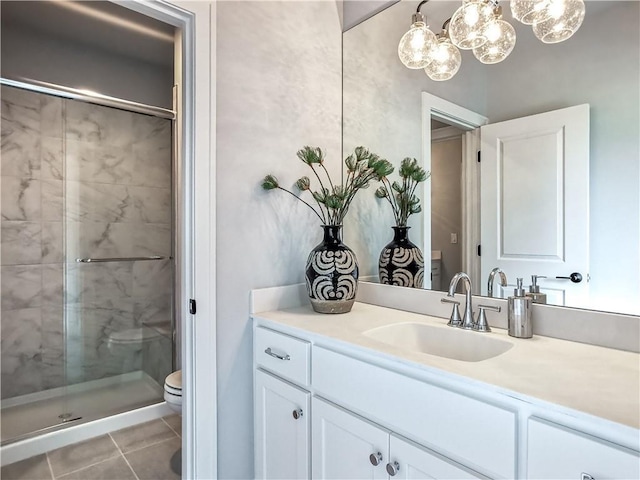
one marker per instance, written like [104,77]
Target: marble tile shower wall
[80,180]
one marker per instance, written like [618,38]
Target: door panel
[535,201]
[342,444]
[282,441]
[417,462]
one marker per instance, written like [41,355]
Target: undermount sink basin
[448,342]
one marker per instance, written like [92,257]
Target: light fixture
[501,38]
[415,45]
[446,58]
[564,19]
[478,25]
[530,11]
[469,22]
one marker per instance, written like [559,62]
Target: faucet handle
[456,319]
[482,325]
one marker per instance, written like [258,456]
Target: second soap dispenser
[534,290]
[519,313]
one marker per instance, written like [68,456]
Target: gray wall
[382,111]
[446,205]
[278,89]
[29,54]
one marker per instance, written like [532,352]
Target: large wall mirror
[390,110]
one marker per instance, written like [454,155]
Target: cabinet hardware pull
[375,459]
[268,351]
[297,413]
[393,468]
[586,476]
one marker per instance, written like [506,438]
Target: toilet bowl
[173,391]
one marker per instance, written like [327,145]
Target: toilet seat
[174,381]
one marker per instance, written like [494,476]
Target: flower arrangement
[401,196]
[333,200]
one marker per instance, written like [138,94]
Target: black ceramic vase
[332,274]
[401,262]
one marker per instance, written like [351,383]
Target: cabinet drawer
[555,451]
[283,355]
[479,435]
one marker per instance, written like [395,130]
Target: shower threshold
[34,414]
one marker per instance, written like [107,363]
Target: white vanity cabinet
[346,445]
[556,452]
[325,409]
[281,408]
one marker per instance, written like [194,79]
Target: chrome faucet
[492,274]
[468,320]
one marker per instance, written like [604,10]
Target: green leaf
[397,187]
[382,192]
[334,202]
[270,182]
[303,183]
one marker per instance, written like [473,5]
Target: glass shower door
[119,269]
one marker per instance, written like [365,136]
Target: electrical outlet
[454,238]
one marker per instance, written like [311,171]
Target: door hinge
[479,250]
[479,156]
[192,306]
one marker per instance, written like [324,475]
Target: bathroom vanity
[357,396]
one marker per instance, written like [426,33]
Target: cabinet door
[343,443]
[558,452]
[282,440]
[412,461]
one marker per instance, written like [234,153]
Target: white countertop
[599,381]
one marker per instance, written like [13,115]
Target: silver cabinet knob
[393,468]
[375,459]
[297,413]
[586,476]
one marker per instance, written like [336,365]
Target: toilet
[173,391]
[173,397]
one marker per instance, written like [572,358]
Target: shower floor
[39,413]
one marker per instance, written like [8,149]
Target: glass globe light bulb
[565,18]
[415,45]
[530,11]
[468,23]
[501,38]
[446,61]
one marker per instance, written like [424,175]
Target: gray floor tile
[34,468]
[83,454]
[143,435]
[114,469]
[153,463]
[175,422]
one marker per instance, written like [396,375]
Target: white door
[413,462]
[535,202]
[282,419]
[343,445]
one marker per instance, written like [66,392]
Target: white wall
[29,54]
[278,89]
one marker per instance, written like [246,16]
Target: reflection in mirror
[598,66]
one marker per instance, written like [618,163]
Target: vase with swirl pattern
[401,262]
[332,273]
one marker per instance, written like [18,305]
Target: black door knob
[575,277]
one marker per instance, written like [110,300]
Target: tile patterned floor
[141,452]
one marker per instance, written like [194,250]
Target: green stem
[295,196]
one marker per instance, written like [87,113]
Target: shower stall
[87,257]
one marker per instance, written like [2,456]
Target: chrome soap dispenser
[519,313]
[534,290]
